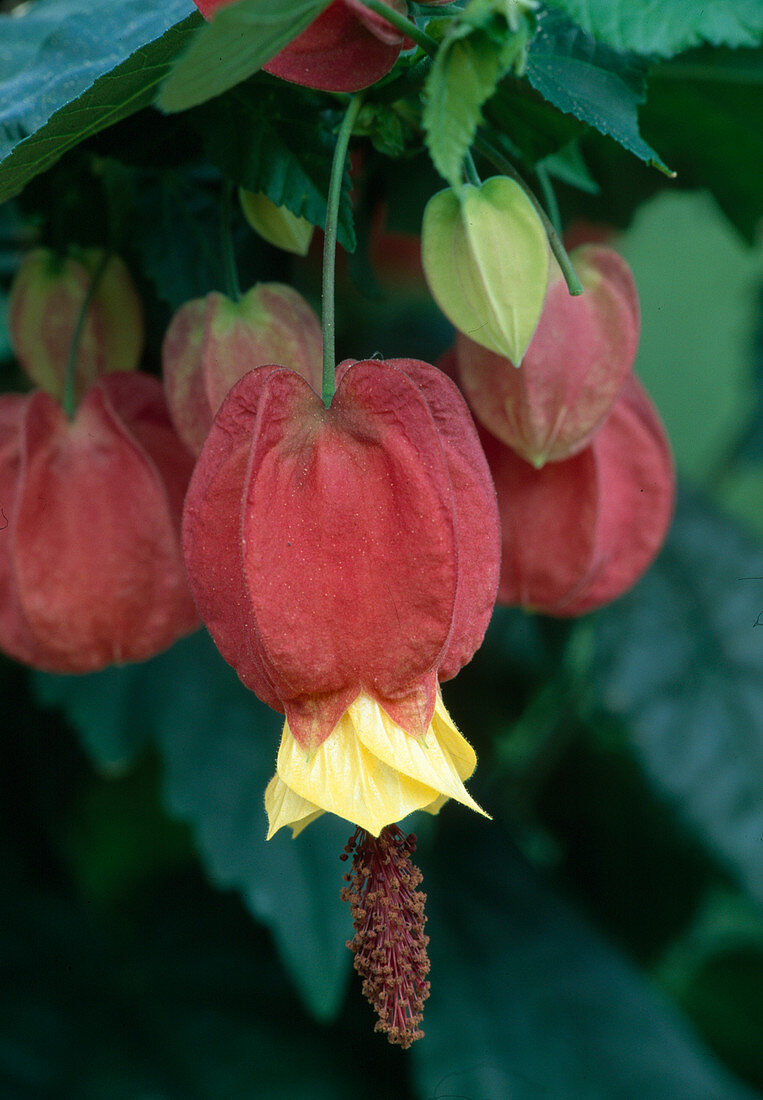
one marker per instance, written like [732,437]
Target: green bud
[276,224]
[485,257]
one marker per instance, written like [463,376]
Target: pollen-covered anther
[389,944]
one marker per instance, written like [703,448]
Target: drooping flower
[578,533]
[91,572]
[344,561]
[212,341]
[346,48]
[573,369]
[47,296]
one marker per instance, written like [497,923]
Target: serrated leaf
[280,142]
[527,1001]
[675,26]
[36,136]
[219,745]
[681,659]
[465,73]
[592,82]
[240,40]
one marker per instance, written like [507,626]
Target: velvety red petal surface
[336,53]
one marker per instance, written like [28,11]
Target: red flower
[578,533]
[346,48]
[344,560]
[91,572]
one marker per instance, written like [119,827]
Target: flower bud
[91,572]
[578,533]
[46,302]
[574,367]
[211,342]
[485,256]
[276,224]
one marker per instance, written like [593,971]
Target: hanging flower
[212,341]
[346,48]
[574,367]
[91,572]
[578,533]
[345,560]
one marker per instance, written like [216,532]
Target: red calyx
[91,572]
[355,548]
[346,48]
[578,533]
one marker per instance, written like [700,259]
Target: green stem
[329,248]
[471,170]
[496,157]
[68,399]
[226,240]
[549,197]
[405,26]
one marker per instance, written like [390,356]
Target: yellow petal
[461,752]
[427,760]
[344,778]
[435,807]
[284,807]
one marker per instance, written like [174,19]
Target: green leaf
[106,709]
[718,96]
[526,1001]
[681,660]
[238,42]
[219,746]
[674,26]
[278,140]
[464,75]
[118,94]
[180,999]
[70,69]
[594,83]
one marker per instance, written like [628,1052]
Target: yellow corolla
[370,771]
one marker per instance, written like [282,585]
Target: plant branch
[69,394]
[405,26]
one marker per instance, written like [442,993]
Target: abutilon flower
[580,532]
[212,341]
[46,299]
[91,571]
[346,48]
[345,559]
[574,367]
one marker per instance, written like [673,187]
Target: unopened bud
[276,224]
[47,306]
[485,257]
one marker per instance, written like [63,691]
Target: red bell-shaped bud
[211,342]
[346,48]
[343,560]
[91,571]
[574,367]
[47,300]
[578,533]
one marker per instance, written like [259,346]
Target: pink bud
[578,533]
[91,572]
[211,342]
[573,369]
